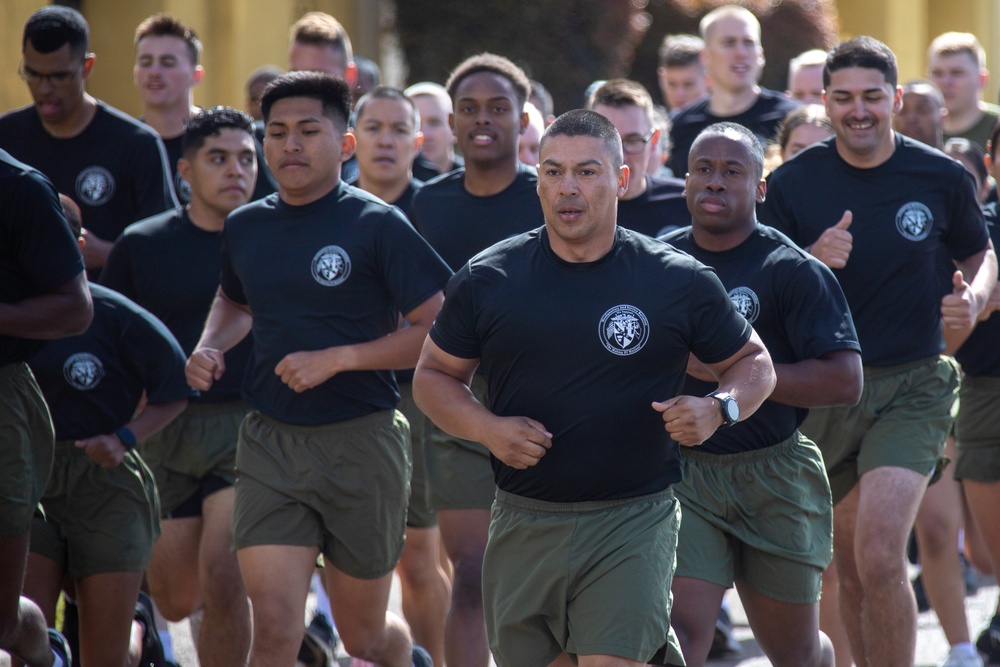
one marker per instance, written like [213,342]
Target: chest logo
[623,330]
[914,221]
[83,371]
[331,266]
[95,186]
[745,302]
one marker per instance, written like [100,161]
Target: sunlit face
[488,118]
[164,72]
[681,86]
[920,118]
[55,81]
[806,84]
[304,149]
[387,141]
[802,136]
[861,104]
[528,144]
[222,172]
[438,137]
[639,139]
[723,184]
[958,77]
[579,187]
[733,56]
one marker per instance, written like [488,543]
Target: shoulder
[112,119]
[692,114]
[662,185]
[772,99]
[508,250]
[154,225]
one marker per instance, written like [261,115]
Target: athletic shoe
[319,643]
[71,629]
[961,658]
[60,647]
[723,642]
[152,648]
[988,641]
[421,658]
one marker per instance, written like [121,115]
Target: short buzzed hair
[209,123]
[810,58]
[51,27]
[926,88]
[681,51]
[586,123]
[618,93]
[727,11]
[330,91]
[491,62]
[321,29]
[386,93]
[165,25]
[954,43]
[743,136]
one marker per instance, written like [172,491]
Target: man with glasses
[113,167]
[652,204]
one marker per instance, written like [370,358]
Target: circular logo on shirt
[623,330]
[745,302]
[182,188]
[331,266]
[95,186]
[914,221]
[83,371]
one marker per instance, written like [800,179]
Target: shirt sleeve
[966,234]
[156,356]
[454,330]
[117,273]
[46,249]
[718,330]
[815,311]
[229,282]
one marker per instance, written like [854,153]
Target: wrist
[126,437]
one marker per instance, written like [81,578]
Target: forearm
[450,404]
[154,417]
[396,351]
[980,272]
[227,324]
[750,380]
[817,383]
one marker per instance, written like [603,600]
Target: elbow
[850,395]
[78,318]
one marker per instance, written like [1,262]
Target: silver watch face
[731,408]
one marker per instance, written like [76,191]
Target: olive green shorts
[97,519]
[198,443]
[589,578]
[460,472]
[902,421]
[26,438]
[978,430]
[419,514]
[763,517]
[342,487]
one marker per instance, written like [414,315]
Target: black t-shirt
[425,170]
[181,187]
[458,224]
[115,169]
[333,272]
[93,382]
[906,211]
[980,354]
[38,252]
[405,201]
[585,349]
[658,210]
[796,307]
[171,267]
[763,119]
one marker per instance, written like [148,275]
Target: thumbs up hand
[833,247]
[959,309]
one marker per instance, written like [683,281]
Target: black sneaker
[60,647]
[319,643]
[152,648]
[723,642]
[988,642]
[71,629]
[421,658]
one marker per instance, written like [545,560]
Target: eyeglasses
[57,79]
[634,145]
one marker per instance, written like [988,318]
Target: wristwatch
[127,437]
[728,406]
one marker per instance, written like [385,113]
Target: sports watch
[728,406]
[127,437]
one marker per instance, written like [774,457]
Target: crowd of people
[348,334]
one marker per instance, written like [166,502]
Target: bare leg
[42,584]
[367,629]
[426,590]
[465,533]
[830,621]
[696,606]
[788,633]
[107,606]
[173,570]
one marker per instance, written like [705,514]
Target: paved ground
[931,644]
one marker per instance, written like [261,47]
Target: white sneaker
[962,657]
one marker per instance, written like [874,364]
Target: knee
[361,642]
[176,602]
[273,627]
[881,566]
[467,585]
[222,583]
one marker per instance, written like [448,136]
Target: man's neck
[445,164]
[169,121]
[877,157]
[723,241]
[205,217]
[726,103]
[962,120]
[636,187]
[387,192]
[488,180]
[76,122]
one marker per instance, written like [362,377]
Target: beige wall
[241,35]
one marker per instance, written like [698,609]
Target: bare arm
[835,378]
[441,390]
[748,376]
[64,311]
[972,285]
[397,350]
[228,323]
[108,451]
[95,250]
